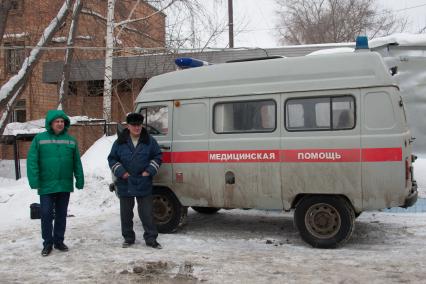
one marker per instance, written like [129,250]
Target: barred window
[14,57]
[95,88]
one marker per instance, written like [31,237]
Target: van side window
[323,113]
[245,117]
[156,119]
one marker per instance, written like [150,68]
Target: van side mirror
[393,70]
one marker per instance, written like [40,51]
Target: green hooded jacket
[53,160]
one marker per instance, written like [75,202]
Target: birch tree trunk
[63,89]
[108,62]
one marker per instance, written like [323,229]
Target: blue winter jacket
[124,157]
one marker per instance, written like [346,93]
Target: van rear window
[320,113]
[245,116]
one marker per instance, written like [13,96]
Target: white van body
[325,135]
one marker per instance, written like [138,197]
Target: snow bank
[95,197]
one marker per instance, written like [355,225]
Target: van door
[321,145]
[158,121]
[244,151]
[384,142]
[190,153]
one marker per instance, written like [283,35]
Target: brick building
[25,24]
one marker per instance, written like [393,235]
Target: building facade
[25,24]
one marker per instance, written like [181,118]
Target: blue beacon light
[188,62]
[361,42]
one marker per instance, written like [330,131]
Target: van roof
[320,72]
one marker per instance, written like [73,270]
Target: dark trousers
[145,214]
[59,202]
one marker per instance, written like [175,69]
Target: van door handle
[164,147]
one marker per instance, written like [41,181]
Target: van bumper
[412,197]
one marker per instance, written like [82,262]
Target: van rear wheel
[324,221]
[168,213]
[205,210]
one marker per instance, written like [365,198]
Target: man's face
[135,129]
[58,125]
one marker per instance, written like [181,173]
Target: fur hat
[134,118]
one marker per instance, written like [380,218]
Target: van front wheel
[167,211]
[324,221]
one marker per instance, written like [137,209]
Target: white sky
[257,19]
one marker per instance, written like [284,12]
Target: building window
[14,57]
[320,113]
[16,6]
[245,116]
[124,86]
[72,88]
[95,88]
[19,112]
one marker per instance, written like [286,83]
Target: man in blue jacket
[134,159]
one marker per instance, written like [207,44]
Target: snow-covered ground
[233,246]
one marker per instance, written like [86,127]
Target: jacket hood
[54,114]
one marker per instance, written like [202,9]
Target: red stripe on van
[289,156]
[321,155]
[167,157]
[381,154]
[190,157]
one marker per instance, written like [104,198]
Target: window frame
[19,107]
[330,97]
[145,115]
[245,101]
[95,88]
[18,52]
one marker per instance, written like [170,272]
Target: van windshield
[156,119]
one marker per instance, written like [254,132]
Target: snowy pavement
[232,246]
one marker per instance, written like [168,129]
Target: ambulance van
[324,135]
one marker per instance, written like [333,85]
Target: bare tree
[5,6]
[321,21]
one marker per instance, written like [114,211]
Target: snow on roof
[332,51]
[15,36]
[401,39]
[37,126]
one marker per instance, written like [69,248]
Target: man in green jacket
[52,162]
